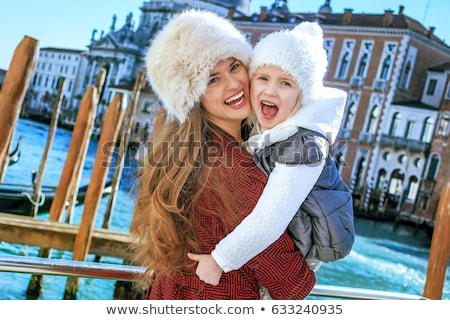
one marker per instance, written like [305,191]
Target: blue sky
[69,24]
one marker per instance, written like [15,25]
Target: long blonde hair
[171,182]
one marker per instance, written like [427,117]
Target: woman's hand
[207,270]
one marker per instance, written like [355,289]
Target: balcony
[366,138]
[401,143]
[380,85]
[344,134]
[356,82]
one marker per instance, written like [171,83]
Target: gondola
[14,155]
[17,199]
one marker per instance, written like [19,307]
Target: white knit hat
[185,51]
[298,52]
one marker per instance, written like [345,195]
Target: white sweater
[287,186]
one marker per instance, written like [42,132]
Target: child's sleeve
[285,191]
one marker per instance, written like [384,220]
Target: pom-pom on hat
[184,52]
[298,52]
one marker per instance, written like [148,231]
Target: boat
[18,199]
[14,155]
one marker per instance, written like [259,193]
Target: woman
[198,183]
[297,119]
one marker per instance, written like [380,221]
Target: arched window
[362,65]
[394,124]
[344,66]
[395,185]
[433,167]
[381,180]
[348,123]
[405,75]
[372,124]
[413,187]
[386,66]
[409,132]
[360,173]
[427,131]
[443,126]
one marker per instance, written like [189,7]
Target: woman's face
[273,95]
[226,100]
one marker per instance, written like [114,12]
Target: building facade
[54,64]
[391,148]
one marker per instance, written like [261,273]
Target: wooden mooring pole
[110,131]
[51,133]
[12,93]
[123,148]
[440,249]
[72,201]
[83,124]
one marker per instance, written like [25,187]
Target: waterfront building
[392,148]
[52,65]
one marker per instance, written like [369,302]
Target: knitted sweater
[280,268]
[288,185]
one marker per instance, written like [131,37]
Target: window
[394,124]
[344,59]
[409,132]
[443,126]
[405,75]
[427,131]
[362,66]
[360,172]
[395,185]
[386,67]
[343,66]
[431,87]
[413,187]
[381,180]
[348,123]
[372,124]
[328,45]
[433,167]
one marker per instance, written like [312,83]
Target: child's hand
[207,270]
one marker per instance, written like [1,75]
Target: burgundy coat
[280,268]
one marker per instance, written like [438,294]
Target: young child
[297,120]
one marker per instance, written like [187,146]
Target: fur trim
[298,52]
[184,52]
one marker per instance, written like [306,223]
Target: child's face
[273,95]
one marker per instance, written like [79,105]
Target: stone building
[392,147]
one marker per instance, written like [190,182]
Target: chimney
[231,12]
[263,14]
[388,18]
[430,32]
[400,10]
[347,17]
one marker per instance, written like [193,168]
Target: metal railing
[99,270]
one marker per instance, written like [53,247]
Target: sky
[69,24]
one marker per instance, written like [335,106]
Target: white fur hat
[184,52]
[298,52]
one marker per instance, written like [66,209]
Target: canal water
[382,258]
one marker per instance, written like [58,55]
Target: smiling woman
[197,65]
